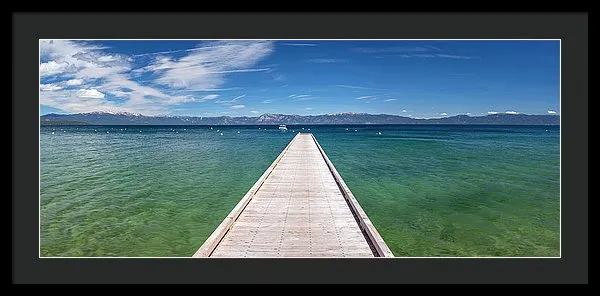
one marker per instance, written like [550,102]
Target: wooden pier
[299,207]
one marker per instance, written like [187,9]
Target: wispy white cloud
[168,52]
[230,102]
[210,97]
[106,73]
[427,51]
[389,100]
[291,96]
[101,74]
[53,68]
[308,108]
[238,97]
[511,112]
[443,114]
[436,55]
[238,106]
[492,112]
[90,93]
[453,56]
[207,89]
[49,87]
[299,44]
[395,49]
[305,98]
[301,96]
[352,86]
[205,68]
[267,101]
[404,111]
[254,112]
[239,71]
[325,61]
[551,112]
[365,97]
[74,82]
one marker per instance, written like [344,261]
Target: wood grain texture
[298,209]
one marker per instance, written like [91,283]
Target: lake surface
[430,190]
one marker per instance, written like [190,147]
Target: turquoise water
[429,190]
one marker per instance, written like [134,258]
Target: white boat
[282,127]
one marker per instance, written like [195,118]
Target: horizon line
[322,114]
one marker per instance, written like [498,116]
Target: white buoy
[53,133]
[302,128]
[379,133]
[546,130]
[185,129]
[121,129]
[355,130]
[176,132]
[95,130]
[107,132]
[211,127]
[308,129]
[140,131]
[64,131]
[346,129]
[221,134]
[238,132]
[218,131]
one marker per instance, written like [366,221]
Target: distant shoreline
[303,124]
[99,118]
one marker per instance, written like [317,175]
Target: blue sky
[421,79]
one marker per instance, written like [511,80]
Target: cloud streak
[389,100]
[364,97]
[205,69]
[208,89]
[49,87]
[305,98]
[230,102]
[436,55]
[110,79]
[427,51]
[396,49]
[90,93]
[209,97]
[299,44]
[551,112]
[352,86]
[325,61]
[74,82]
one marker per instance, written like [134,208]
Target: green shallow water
[429,190]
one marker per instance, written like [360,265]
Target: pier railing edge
[365,223]
[213,240]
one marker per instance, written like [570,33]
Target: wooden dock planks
[300,207]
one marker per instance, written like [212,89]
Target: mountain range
[125,118]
